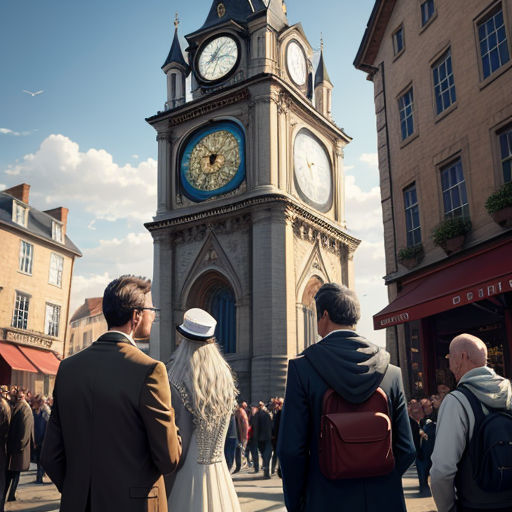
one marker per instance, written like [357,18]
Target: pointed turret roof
[321,74]
[236,10]
[175,54]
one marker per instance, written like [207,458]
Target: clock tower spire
[323,86]
[176,70]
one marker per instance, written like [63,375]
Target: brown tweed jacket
[112,434]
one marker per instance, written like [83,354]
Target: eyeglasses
[156,311]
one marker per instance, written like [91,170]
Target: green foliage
[500,199]
[415,251]
[450,228]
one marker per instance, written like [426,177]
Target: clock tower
[250,217]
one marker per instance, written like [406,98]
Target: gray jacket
[455,425]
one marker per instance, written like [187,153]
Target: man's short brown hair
[122,296]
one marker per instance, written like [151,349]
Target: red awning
[45,361]
[15,359]
[475,278]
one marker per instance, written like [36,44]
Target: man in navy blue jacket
[354,368]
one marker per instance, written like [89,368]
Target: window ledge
[56,285]
[444,113]
[25,273]
[429,22]
[486,81]
[409,139]
[399,54]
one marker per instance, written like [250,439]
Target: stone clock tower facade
[250,219]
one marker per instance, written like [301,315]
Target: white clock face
[313,175]
[217,58]
[296,63]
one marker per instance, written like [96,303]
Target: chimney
[61,214]
[20,192]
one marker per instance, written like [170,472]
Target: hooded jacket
[354,368]
[455,425]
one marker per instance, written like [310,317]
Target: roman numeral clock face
[217,59]
[213,161]
[313,174]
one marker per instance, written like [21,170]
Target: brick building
[442,79]
[36,265]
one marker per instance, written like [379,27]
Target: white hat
[197,325]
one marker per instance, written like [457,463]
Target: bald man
[455,425]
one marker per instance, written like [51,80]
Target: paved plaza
[255,494]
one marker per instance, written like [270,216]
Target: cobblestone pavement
[256,494]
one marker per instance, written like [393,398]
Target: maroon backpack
[355,439]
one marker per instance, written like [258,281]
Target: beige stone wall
[35,285]
[92,326]
[468,129]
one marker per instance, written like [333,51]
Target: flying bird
[33,93]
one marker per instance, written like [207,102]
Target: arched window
[309,309]
[213,293]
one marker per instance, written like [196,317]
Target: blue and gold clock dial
[213,161]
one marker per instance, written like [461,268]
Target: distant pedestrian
[242,430]
[353,369]
[454,485]
[230,443]
[276,421]
[5,420]
[263,420]
[40,423]
[21,433]
[252,441]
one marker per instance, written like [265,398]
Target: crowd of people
[253,433]
[138,435]
[23,420]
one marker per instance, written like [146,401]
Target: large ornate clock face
[213,161]
[313,176]
[296,63]
[217,58]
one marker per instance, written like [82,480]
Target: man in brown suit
[112,435]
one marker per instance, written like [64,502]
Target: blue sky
[83,143]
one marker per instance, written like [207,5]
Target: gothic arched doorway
[309,309]
[213,293]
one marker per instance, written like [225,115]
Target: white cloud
[110,259]
[135,156]
[370,158]
[8,131]
[60,173]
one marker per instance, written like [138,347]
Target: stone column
[340,186]
[165,180]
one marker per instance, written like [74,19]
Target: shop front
[471,294]
[25,363]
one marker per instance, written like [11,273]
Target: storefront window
[416,370]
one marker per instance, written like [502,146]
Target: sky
[83,142]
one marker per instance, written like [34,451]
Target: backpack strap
[476,405]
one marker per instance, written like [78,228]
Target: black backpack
[490,448]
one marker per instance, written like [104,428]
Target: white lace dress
[203,482]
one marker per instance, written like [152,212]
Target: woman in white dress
[203,396]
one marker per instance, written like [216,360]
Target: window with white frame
[455,199]
[493,44]
[56,268]
[406,110]
[57,231]
[20,314]
[19,213]
[52,320]
[412,216]
[26,255]
[398,40]
[427,11]
[444,83]
[505,139]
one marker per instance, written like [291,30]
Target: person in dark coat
[354,368]
[40,422]
[263,421]
[21,433]
[252,441]
[230,443]
[276,420]
[5,420]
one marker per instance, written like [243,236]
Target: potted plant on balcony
[450,234]
[409,257]
[499,205]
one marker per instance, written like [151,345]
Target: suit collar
[115,337]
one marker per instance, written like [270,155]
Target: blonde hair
[207,377]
